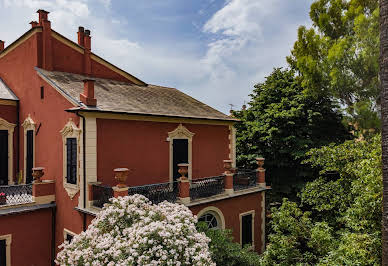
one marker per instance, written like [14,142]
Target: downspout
[53,231]
[18,140]
[84,164]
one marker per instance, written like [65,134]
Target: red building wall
[9,113]
[26,229]
[143,148]
[231,209]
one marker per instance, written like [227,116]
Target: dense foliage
[339,57]
[339,219]
[133,231]
[281,124]
[226,252]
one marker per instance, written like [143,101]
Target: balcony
[15,195]
[232,183]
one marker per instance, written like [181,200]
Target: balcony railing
[244,179]
[15,194]
[157,193]
[207,187]
[101,195]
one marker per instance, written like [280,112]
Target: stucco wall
[231,209]
[26,229]
[143,148]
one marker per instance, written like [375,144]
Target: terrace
[39,192]
[233,182]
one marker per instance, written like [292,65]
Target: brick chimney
[1,45]
[87,97]
[80,34]
[88,46]
[33,24]
[47,51]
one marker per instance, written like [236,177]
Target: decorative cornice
[28,123]
[6,124]
[70,129]
[181,132]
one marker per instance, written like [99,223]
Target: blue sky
[213,50]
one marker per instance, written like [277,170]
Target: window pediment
[181,132]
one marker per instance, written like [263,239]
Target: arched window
[210,218]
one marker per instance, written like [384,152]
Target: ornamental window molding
[181,132]
[5,125]
[70,130]
[8,242]
[217,213]
[28,124]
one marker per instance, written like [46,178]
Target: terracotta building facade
[75,130]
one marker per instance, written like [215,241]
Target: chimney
[81,36]
[87,53]
[34,24]
[43,16]
[1,45]
[87,40]
[87,97]
[47,51]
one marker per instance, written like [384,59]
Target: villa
[96,132]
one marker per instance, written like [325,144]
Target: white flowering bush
[133,231]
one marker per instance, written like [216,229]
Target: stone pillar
[43,192]
[184,184]
[260,172]
[228,179]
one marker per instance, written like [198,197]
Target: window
[71,154]
[42,92]
[68,235]
[247,228]
[29,148]
[5,250]
[71,160]
[210,219]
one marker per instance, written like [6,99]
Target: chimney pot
[1,45]
[87,32]
[81,33]
[43,15]
[87,97]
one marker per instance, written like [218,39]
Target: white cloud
[247,39]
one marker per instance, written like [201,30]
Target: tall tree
[282,123]
[338,57]
[384,115]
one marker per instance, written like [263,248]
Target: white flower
[133,231]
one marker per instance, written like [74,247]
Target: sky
[213,50]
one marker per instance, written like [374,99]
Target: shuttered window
[246,227]
[71,160]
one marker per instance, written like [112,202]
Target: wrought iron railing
[15,194]
[206,187]
[101,195]
[244,179]
[157,193]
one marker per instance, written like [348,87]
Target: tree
[133,231]
[384,115]
[338,220]
[226,252]
[338,57]
[281,124]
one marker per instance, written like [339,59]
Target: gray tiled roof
[118,96]
[6,93]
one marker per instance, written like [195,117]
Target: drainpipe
[18,140]
[84,164]
[53,231]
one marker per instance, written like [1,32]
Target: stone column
[260,172]
[228,179]
[184,184]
